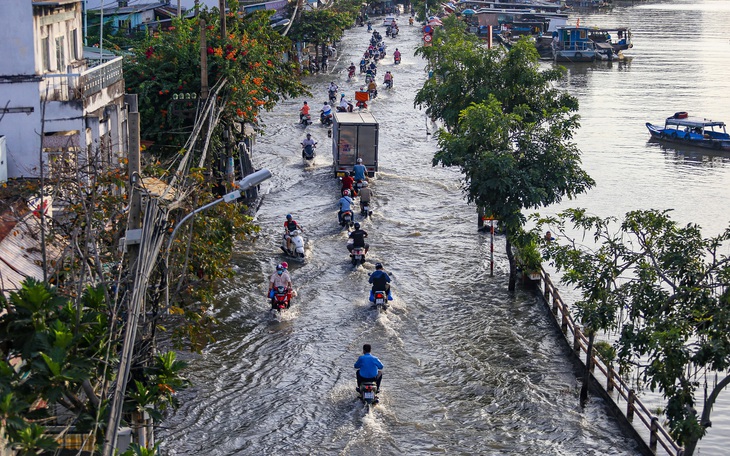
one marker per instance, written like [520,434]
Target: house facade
[128,17]
[53,103]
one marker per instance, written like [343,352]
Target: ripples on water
[470,368]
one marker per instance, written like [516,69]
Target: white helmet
[359,160]
[364,184]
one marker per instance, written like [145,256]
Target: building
[129,17]
[53,102]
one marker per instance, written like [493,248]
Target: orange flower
[260,102]
[252,92]
[258,81]
[231,56]
[218,52]
[257,64]
[239,113]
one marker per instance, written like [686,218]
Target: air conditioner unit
[3,160]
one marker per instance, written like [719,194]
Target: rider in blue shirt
[368,368]
[359,170]
[345,204]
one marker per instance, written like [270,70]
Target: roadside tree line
[663,287]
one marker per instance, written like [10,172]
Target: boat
[694,131]
[573,44]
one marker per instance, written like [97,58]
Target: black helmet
[357,225]
[378,265]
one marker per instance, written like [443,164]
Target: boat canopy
[694,122]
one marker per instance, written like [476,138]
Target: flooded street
[469,368]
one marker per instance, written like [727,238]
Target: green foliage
[666,288]
[168,62]
[528,254]
[605,351]
[136,450]
[321,25]
[507,127]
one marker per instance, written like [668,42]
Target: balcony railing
[75,86]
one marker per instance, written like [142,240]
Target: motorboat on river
[695,131]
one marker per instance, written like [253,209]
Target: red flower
[210,50]
[150,50]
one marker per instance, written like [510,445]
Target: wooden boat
[694,131]
[573,44]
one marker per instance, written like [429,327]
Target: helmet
[305,102]
[357,225]
[284,264]
[288,216]
[325,103]
[359,160]
[279,267]
[309,135]
[342,95]
[364,184]
[378,265]
[346,193]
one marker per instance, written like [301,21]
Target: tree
[321,26]
[506,126]
[168,63]
[666,288]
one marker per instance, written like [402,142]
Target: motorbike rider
[308,142]
[351,70]
[388,79]
[347,182]
[345,204]
[280,278]
[363,64]
[373,67]
[368,368]
[370,26]
[396,55]
[366,194]
[358,239]
[381,282]
[359,170]
[290,224]
[326,110]
[410,20]
[373,89]
[304,112]
[345,106]
[333,90]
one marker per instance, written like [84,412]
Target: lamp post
[247,182]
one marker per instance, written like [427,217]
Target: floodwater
[469,367]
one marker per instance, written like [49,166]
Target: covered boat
[572,44]
[694,131]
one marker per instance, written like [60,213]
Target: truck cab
[354,135]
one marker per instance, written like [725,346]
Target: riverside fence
[647,429]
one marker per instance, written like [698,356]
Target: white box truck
[354,135]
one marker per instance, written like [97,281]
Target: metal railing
[75,86]
[614,383]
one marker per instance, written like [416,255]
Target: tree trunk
[691,443]
[587,373]
[512,264]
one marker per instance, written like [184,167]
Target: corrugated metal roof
[138,8]
[20,253]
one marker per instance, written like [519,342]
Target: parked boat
[695,131]
[573,44]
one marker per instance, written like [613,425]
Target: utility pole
[135,202]
[203,63]
[179,9]
[222,7]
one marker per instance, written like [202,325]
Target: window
[45,54]
[60,55]
[74,54]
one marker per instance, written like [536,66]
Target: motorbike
[367,392]
[410,21]
[396,59]
[370,27]
[346,219]
[313,67]
[394,32]
[297,244]
[357,255]
[308,152]
[363,67]
[333,97]
[387,31]
[365,209]
[388,84]
[351,73]
[281,299]
[381,300]
[373,93]
[305,119]
[350,107]
[325,119]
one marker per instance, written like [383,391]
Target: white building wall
[16,38]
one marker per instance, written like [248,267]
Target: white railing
[75,86]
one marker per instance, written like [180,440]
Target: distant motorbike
[350,107]
[308,151]
[281,298]
[346,219]
[396,59]
[365,209]
[363,67]
[351,73]
[388,84]
[297,245]
[325,119]
[305,119]
[357,256]
[381,300]
[368,393]
[333,97]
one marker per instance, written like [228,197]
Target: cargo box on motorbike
[354,135]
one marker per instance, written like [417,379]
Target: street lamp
[247,182]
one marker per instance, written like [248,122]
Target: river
[469,367]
